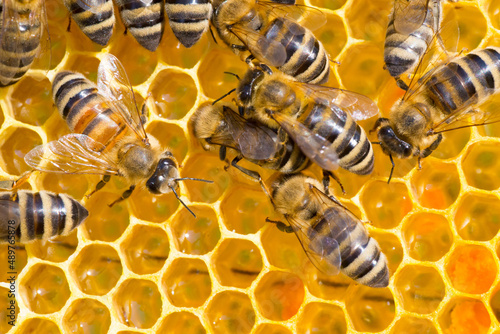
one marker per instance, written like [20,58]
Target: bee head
[389,141]
[246,88]
[166,175]
[207,121]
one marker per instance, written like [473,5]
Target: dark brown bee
[26,215]
[189,19]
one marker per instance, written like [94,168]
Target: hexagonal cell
[74,185]
[464,315]
[137,303]
[44,289]
[495,303]
[364,61]
[153,208]
[211,76]
[181,322]
[370,309]
[481,166]
[391,247]
[478,217]
[57,45]
[237,263]
[38,325]
[492,105]
[138,62]
[412,325]
[322,318]
[368,19]
[55,128]
[436,185]
[471,23]
[187,283]
[146,249]
[326,286]
[271,329]
[9,309]
[383,165]
[21,259]
[452,144]
[36,109]
[171,136]
[332,35]
[105,223]
[427,236]
[471,269]
[209,167]
[245,209]
[328,4]
[230,312]
[196,236]
[387,209]
[83,64]
[279,295]
[13,150]
[78,41]
[494,13]
[420,289]
[351,182]
[96,269]
[57,249]
[86,315]
[174,94]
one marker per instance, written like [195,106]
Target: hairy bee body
[189,19]
[144,20]
[29,215]
[96,22]
[327,231]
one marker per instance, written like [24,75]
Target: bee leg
[222,153]
[326,182]
[251,173]
[9,184]
[69,24]
[281,226]
[100,185]
[392,169]
[432,147]
[126,194]
[401,84]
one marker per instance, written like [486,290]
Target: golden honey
[146,265]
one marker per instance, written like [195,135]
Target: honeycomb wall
[147,266]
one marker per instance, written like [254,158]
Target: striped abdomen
[402,52]
[144,20]
[38,215]
[19,39]
[306,58]
[289,159]
[189,19]
[85,110]
[361,257]
[351,144]
[467,80]
[97,23]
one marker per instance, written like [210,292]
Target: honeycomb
[147,266]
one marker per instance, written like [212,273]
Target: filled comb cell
[27,216]
[189,19]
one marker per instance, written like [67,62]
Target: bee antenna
[194,179]
[234,74]
[223,96]
[180,200]
[376,143]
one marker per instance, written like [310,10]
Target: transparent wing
[137,10]
[255,141]
[308,17]
[9,211]
[90,5]
[113,83]
[71,154]
[409,15]
[314,146]
[39,17]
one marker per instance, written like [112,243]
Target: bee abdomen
[143,20]
[97,25]
[189,19]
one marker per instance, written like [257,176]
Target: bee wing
[314,146]
[137,10]
[409,15]
[113,83]
[90,5]
[9,211]
[45,57]
[308,17]
[255,141]
[71,154]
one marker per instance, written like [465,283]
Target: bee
[412,27]
[95,18]
[189,20]
[442,100]
[333,238]
[269,32]
[109,137]
[144,20]
[320,120]
[219,125]
[23,38]
[26,215]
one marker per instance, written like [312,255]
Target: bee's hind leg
[251,173]
[281,226]
[326,183]
[105,179]
[126,194]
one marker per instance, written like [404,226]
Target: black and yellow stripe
[189,19]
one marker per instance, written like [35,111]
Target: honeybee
[333,238]
[26,215]
[23,37]
[95,18]
[219,125]
[144,20]
[442,100]
[268,31]
[109,138]
[320,120]
[189,20]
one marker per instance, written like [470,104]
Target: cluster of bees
[281,119]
